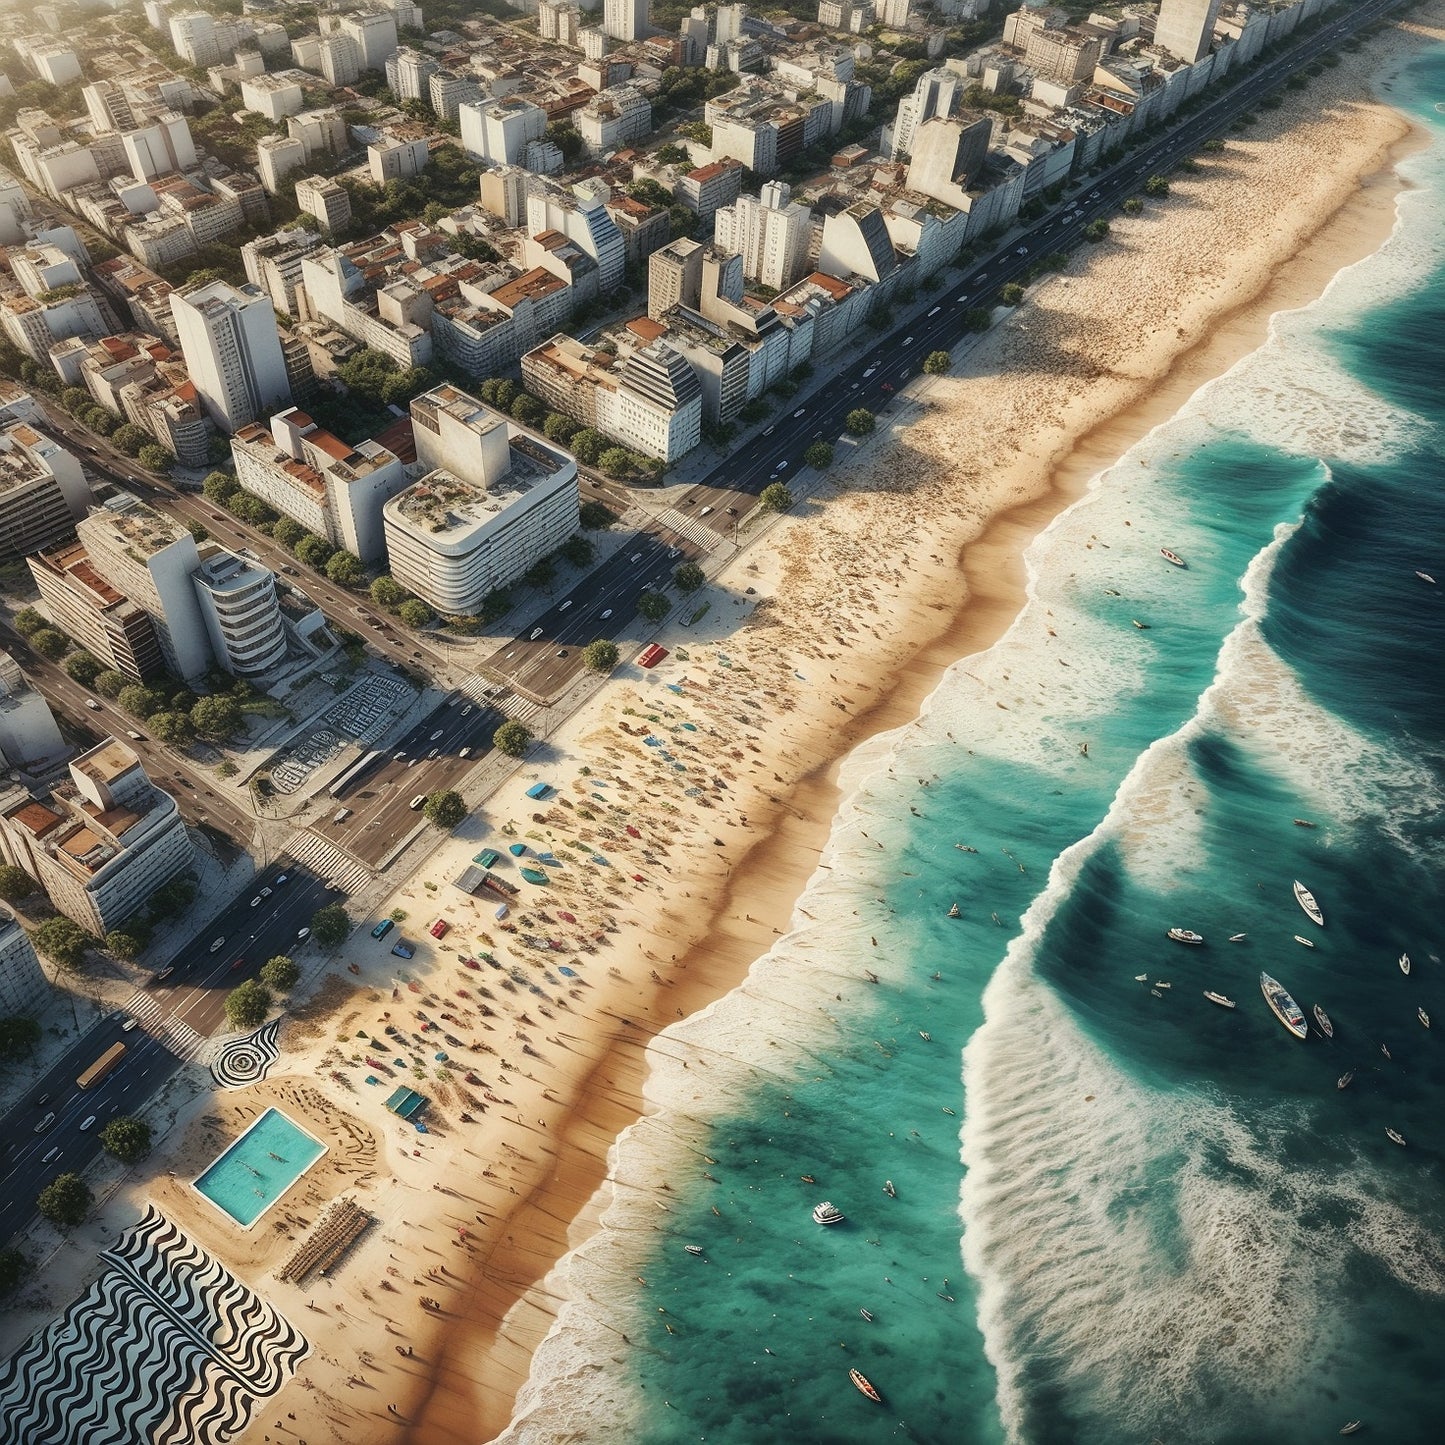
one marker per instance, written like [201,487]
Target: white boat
[1185,935]
[1395,1136]
[953,912]
[1405,964]
[1172,557]
[1284,1008]
[1424,577]
[693,1248]
[1306,900]
[1423,1017]
[826,1213]
[1343,1082]
[1322,1019]
[1300,938]
[1351,1426]
[1238,937]
[1160,983]
[867,1314]
[1218,998]
[1141,978]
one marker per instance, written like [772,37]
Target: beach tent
[405,1103]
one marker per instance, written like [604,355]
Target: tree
[218,486]
[65,1201]
[171,899]
[1157,186]
[414,612]
[387,593]
[62,941]
[345,569]
[1095,231]
[445,808]
[689,577]
[288,532]
[1011,294]
[500,392]
[140,701]
[76,399]
[129,438]
[127,1138]
[540,573]
[216,718]
[82,667]
[13,1268]
[175,729]
[654,606]
[596,517]
[588,446]
[819,455]
[936,363]
[314,551]
[18,1037]
[15,883]
[110,683]
[330,925]
[249,509]
[123,945]
[154,457]
[1132,206]
[578,550]
[512,738]
[567,138]
[600,655]
[528,410]
[859,422]
[776,498]
[558,428]
[28,621]
[248,1004]
[616,461]
[50,643]
[280,973]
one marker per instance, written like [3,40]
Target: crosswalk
[522,709]
[177,1035]
[481,689]
[325,858]
[690,528]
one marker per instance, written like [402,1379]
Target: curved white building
[243,616]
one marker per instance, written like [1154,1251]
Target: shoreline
[993,571]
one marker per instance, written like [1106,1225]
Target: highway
[193,994]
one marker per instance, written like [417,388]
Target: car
[732,511]
[45,1123]
[256,900]
[413,762]
[303,933]
[1022,251]
[435,736]
[704,511]
[561,652]
[673,552]
[935,310]
[535,633]
[91,703]
[417,801]
[440,928]
[887,386]
[465,753]
[416,654]
[467,710]
[594,482]
[908,341]
[782,466]
[286,568]
[1093,195]
[281,878]
[799,412]
[870,371]
[218,945]
[265,893]
[769,430]
[240,963]
[128,1025]
[163,974]
[53,1154]
[398,757]
[86,1123]
[383,928]
[635,557]
[565,605]
[773,476]
[607,612]
[132,733]
[404,950]
[982,276]
[433,754]
[42,1101]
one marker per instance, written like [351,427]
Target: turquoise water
[1122,1213]
[259,1167]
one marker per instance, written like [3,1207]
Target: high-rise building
[674,277]
[770,232]
[625,19]
[450,91]
[408,73]
[241,611]
[327,200]
[500,130]
[1186,28]
[43,492]
[582,216]
[22,983]
[28,736]
[229,339]
[935,93]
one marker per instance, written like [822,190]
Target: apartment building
[368,290]
[396,160]
[770,232]
[29,738]
[321,133]
[613,119]
[276,157]
[23,985]
[228,335]
[580,213]
[137,291]
[274,96]
[644,228]
[494,502]
[101,842]
[273,264]
[35,324]
[449,91]
[674,276]
[626,19]
[500,130]
[764,127]
[241,610]
[137,376]
[332,488]
[1185,28]
[561,22]
[706,189]
[409,73]
[327,201]
[43,492]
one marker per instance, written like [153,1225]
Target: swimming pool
[259,1167]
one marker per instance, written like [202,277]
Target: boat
[1173,558]
[1160,983]
[826,1213]
[1238,937]
[693,1248]
[1351,1426]
[889,1190]
[1185,935]
[1423,1017]
[535,875]
[807,1179]
[863,1383]
[1322,1019]
[1142,626]
[1405,964]
[1345,1079]
[1306,900]
[1218,998]
[516,849]
[1307,942]
[1395,1136]
[953,912]
[1384,1049]
[1284,1008]
[1156,993]
[925,1036]
[867,1314]
[1304,823]
[1141,978]
[1424,577]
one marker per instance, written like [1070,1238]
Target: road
[193,994]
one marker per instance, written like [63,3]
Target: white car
[466,710]
[870,371]
[635,557]
[565,605]
[91,703]
[607,614]
[769,430]
[86,1122]
[935,310]
[1022,251]
[782,466]
[265,893]
[534,634]
[128,1025]
[799,412]
[704,511]
[303,933]
[435,735]
[255,900]
[433,753]
[908,341]
[465,753]
[219,944]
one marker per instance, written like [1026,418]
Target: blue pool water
[259,1167]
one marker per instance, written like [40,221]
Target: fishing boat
[1173,558]
[1306,900]
[1424,577]
[1304,823]
[953,912]
[1322,1020]
[1238,937]
[1141,978]
[889,1190]
[1423,1017]
[1345,1079]
[1351,1426]
[862,1382]
[1161,983]
[826,1213]
[1284,1008]
[1405,964]
[925,1036]
[1142,626]
[1156,993]
[693,1248]
[1185,935]
[1307,942]
[807,1179]
[1218,998]
[1384,1049]
[1395,1136]
[867,1314]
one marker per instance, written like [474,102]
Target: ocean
[1119,1212]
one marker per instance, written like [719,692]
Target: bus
[101,1067]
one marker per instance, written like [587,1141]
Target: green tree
[616,461]
[76,399]
[280,973]
[1157,186]
[528,410]
[141,701]
[171,899]
[512,738]
[155,457]
[859,422]
[330,925]
[387,593]
[1132,206]
[936,363]
[345,569]
[1011,294]
[218,486]
[577,550]
[558,428]
[15,883]
[129,439]
[588,446]
[819,455]
[65,1201]
[50,643]
[1095,231]
[689,577]
[596,517]
[288,532]
[126,1138]
[62,941]
[216,718]
[445,808]
[776,497]
[28,621]
[248,1004]
[540,573]
[175,729]
[13,1268]
[123,945]
[567,138]
[600,655]
[414,612]
[654,606]
[314,551]
[249,509]
[18,1037]
[110,683]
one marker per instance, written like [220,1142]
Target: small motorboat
[1218,998]
[1185,935]
[1238,937]
[865,1385]
[1173,558]
[1156,993]
[1423,1017]
[1404,961]
[826,1213]
[1301,939]
[867,1314]
[1322,1022]
[1385,1050]
[1142,626]
[1424,577]
[1141,978]
[1160,983]
[693,1249]
[925,1036]
[1304,823]
[1306,900]
[807,1179]
[889,1190]
[1345,1079]
[1351,1426]
[1395,1136]
[953,912]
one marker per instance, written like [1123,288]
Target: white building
[409,72]
[450,91]
[276,157]
[373,32]
[327,200]
[625,19]
[241,611]
[392,159]
[495,502]
[936,93]
[1185,28]
[229,339]
[29,737]
[770,232]
[274,96]
[581,215]
[43,492]
[614,118]
[22,983]
[160,148]
[501,130]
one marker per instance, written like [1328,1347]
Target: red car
[887,386]
[439,928]
[239,963]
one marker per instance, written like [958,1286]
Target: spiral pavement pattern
[248,1059]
